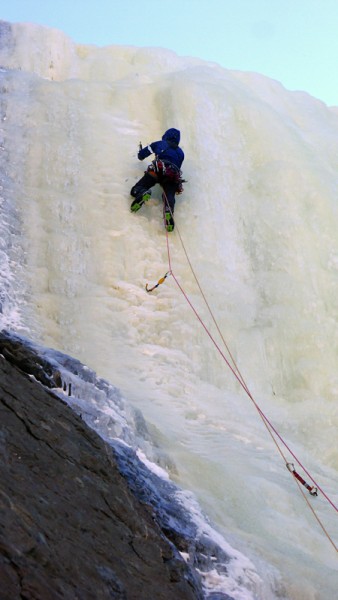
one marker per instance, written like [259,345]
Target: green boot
[139,201]
[169,222]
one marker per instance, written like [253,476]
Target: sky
[292,41]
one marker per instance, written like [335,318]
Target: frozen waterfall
[259,221]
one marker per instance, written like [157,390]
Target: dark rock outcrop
[70,527]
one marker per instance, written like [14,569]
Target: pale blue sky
[293,41]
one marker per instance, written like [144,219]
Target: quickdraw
[158,283]
[311,489]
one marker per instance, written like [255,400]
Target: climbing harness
[313,491]
[163,171]
[158,283]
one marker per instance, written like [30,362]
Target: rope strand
[237,374]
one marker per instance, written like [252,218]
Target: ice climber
[165,169]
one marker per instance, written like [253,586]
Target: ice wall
[258,219]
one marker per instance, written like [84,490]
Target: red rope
[240,378]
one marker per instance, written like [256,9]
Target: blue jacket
[167,149]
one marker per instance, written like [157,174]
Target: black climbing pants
[147,182]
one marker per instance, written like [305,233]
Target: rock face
[70,527]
